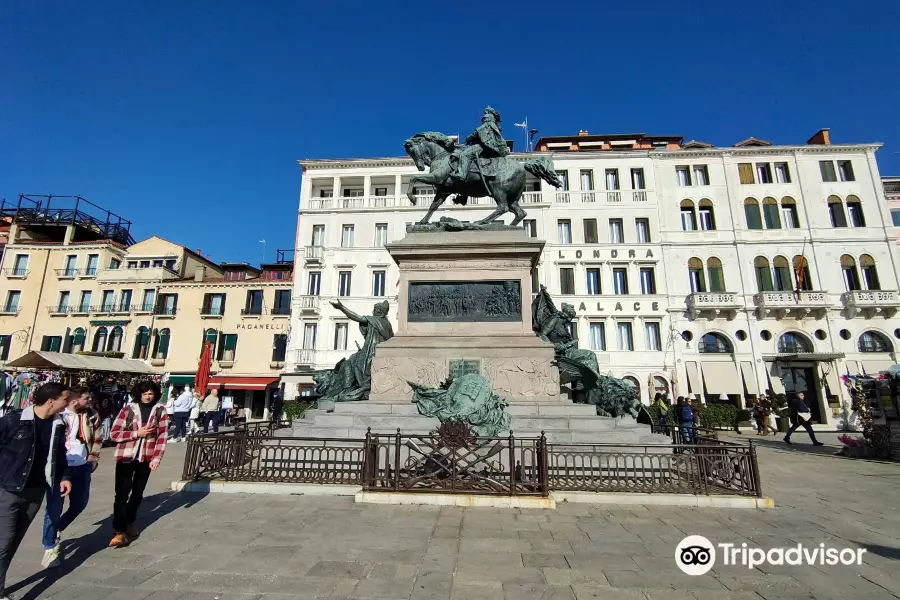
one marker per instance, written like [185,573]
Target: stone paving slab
[243,547]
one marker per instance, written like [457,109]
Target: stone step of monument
[375,408]
[552,410]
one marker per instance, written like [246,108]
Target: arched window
[707,216]
[635,384]
[794,343]
[770,213]
[716,276]
[751,212]
[715,343]
[783,281]
[763,274]
[660,385]
[161,344]
[100,340]
[872,341]
[211,336]
[801,273]
[688,216]
[836,209]
[115,340]
[141,343]
[695,275]
[789,213]
[854,211]
[851,275]
[75,343]
[869,274]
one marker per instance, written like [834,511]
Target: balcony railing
[587,197]
[280,311]
[68,273]
[532,198]
[552,195]
[59,309]
[308,304]
[252,311]
[80,309]
[795,304]
[713,304]
[314,253]
[305,357]
[614,197]
[20,273]
[144,308]
[208,311]
[165,311]
[639,196]
[89,272]
[562,197]
[870,303]
[9,310]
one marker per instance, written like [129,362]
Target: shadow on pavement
[883,551]
[78,550]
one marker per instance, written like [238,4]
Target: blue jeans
[54,520]
[181,424]
[687,433]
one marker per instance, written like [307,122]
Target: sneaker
[788,442]
[51,559]
[120,540]
[818,443]
[175,440]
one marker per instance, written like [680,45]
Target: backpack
[687,413]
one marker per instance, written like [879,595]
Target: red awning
[241,383]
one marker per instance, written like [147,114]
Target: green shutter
[231,341]
[163,349]
[751,211]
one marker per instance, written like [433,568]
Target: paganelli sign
[468,301]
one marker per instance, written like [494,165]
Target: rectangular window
[380,192]
[51,343]
[84,303]
[567,281]
[688,219]
[326,193]
[357,193]
[254,303]
[213,305]
[763,173]
[69,270]
[93,260]
[590,231]
[648,280]
[612,180]
[564,229]
[318,235]
[826,168]
[652,338]
[309,336]
[279,347]
[616,231]
[344,283]
[5,342]
[625,336]
[745,172]
[789,216]
[62,305]
[683,176]
[838,218]
[167,304]
[701,175]
[564,178]
[895,217]
[846,169]
[227,346]
[637,179]
[20,265]
[149,300]
[282,302]
[697,281]
[347,236]
[125,300]
[314,287]
[598,336]
[642,229]
[593,282]
[340,336]
[782,173]
[12,301]
[115,264]
[381,234]
[706,218]
[587,180]
[620,281]
[530,226]
[854,211]
[378,279]
[107,300]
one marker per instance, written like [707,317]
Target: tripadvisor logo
[696,555]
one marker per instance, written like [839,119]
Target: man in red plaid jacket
[140,433]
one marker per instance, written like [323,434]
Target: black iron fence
[443,463]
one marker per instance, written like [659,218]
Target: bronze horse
[504,183]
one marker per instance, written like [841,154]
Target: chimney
[821,138]
[200,273]
[582,132]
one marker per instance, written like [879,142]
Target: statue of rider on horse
[459,169]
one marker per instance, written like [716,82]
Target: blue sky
[188,116]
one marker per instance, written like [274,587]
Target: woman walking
[140,434]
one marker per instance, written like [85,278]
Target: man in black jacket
[800,418]
[32,457]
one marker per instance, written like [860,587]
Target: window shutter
[745,170]
[231,341]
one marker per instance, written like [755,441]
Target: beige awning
[775,381]
[831,378]
[874,367]
[749,377]
[693,375]
[721,378]
[79,362]
[853,367]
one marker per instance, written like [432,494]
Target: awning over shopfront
[749,377]
[873,367]
[693,375]
[853,367]
[74,362]
[721,377]
[775,382]
[803,356]
[181,379]
[831,379]
[242,383]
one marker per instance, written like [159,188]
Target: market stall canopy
[241,383]
[57,360]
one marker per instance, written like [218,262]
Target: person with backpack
[140,432]
[660,403]
[687,422]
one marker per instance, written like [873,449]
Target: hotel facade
[715,272]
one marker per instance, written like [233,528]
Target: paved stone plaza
[227,547]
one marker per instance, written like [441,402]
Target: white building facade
[712,272]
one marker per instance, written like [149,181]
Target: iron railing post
[512,464]
[754,466]
[543,465]
[397,462]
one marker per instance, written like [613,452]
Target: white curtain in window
[651,331]
[624,336]
[309,336]
[598,337]
[612,179]
[700,176]
[565,232]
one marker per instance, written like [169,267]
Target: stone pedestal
[466,296]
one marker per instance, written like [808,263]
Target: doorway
[803,379]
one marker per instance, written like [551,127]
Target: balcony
[144,309]
[15,273]
[81,309]
[143,274]
[68,273]
[9,310]
[165,312]
[308,305]
[111,309]
[313,255]
[209,312]
[614,197]
[88,273]
[871,303]
[59,310]
[713,304]
[280,311]
[305,358]
[252,312]
[797,305]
